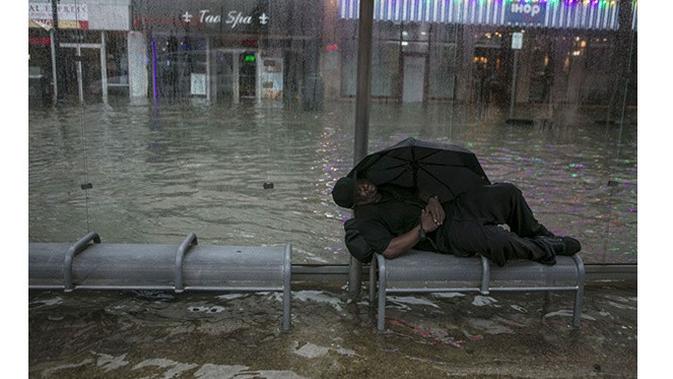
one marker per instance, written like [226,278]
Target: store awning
[586,14]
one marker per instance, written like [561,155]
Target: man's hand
[436,211]
[428,222]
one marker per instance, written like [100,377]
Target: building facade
[232,51]
[438,50]
[300,52]
[92,60]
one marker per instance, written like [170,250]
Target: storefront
[231,51]
[441,50]
[91,59]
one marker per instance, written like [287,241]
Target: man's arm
[402,243]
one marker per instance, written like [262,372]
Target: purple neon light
[154,69]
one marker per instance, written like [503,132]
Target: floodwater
[160,172]
[164,335]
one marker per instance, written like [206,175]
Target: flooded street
[163,335]
[158,173]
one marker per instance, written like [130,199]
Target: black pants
[471,225]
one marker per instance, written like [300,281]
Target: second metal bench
[423,271]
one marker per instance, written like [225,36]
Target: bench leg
[577,313]
[287,290]
[381,319]
[579,294]
[286,311]
[372,282]
[547,302]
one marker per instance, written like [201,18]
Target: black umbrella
[429,167]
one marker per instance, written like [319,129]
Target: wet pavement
[163,335]
[160,172]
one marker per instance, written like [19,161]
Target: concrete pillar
[524,74]
[138,77]
[213,74]
[575,78]
[560,52]
[465,64]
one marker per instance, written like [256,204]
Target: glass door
[92,83]
[70,82]
[248,75]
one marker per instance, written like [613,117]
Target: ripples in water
[161,172]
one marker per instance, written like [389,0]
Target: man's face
[365,192]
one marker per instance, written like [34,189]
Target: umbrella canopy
[429,167]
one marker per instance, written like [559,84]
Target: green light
[249,58]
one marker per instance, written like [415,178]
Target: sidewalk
[162,335]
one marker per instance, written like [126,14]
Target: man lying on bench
[391,220]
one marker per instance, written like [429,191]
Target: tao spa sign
[204,16]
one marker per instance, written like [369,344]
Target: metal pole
[58,64]
[103,66]
[365,23]
[513,97]
[80,76]
[155,91]
[258,77]
[235,75]
[208,69]
[53,65]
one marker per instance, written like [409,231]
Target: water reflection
[161,172]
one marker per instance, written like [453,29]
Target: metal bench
[92,265]
[423,271]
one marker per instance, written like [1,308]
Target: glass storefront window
[234,118]
[39,67]
[117,63]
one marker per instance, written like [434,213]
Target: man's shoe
[567,246]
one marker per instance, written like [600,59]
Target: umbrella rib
[444,165]
[430,154]
[399,159]
[437,179]
[398,166]
[369,165]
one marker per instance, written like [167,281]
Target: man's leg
[501,203]
[495,243]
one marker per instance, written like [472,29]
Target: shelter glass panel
[233,119]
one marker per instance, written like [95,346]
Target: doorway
[235,75]
[413,83]
[83,75]
[248,75]
[490,78]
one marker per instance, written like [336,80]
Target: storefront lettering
[529,9]
[209,18]
[234,18]
[528,13]
[70,16]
